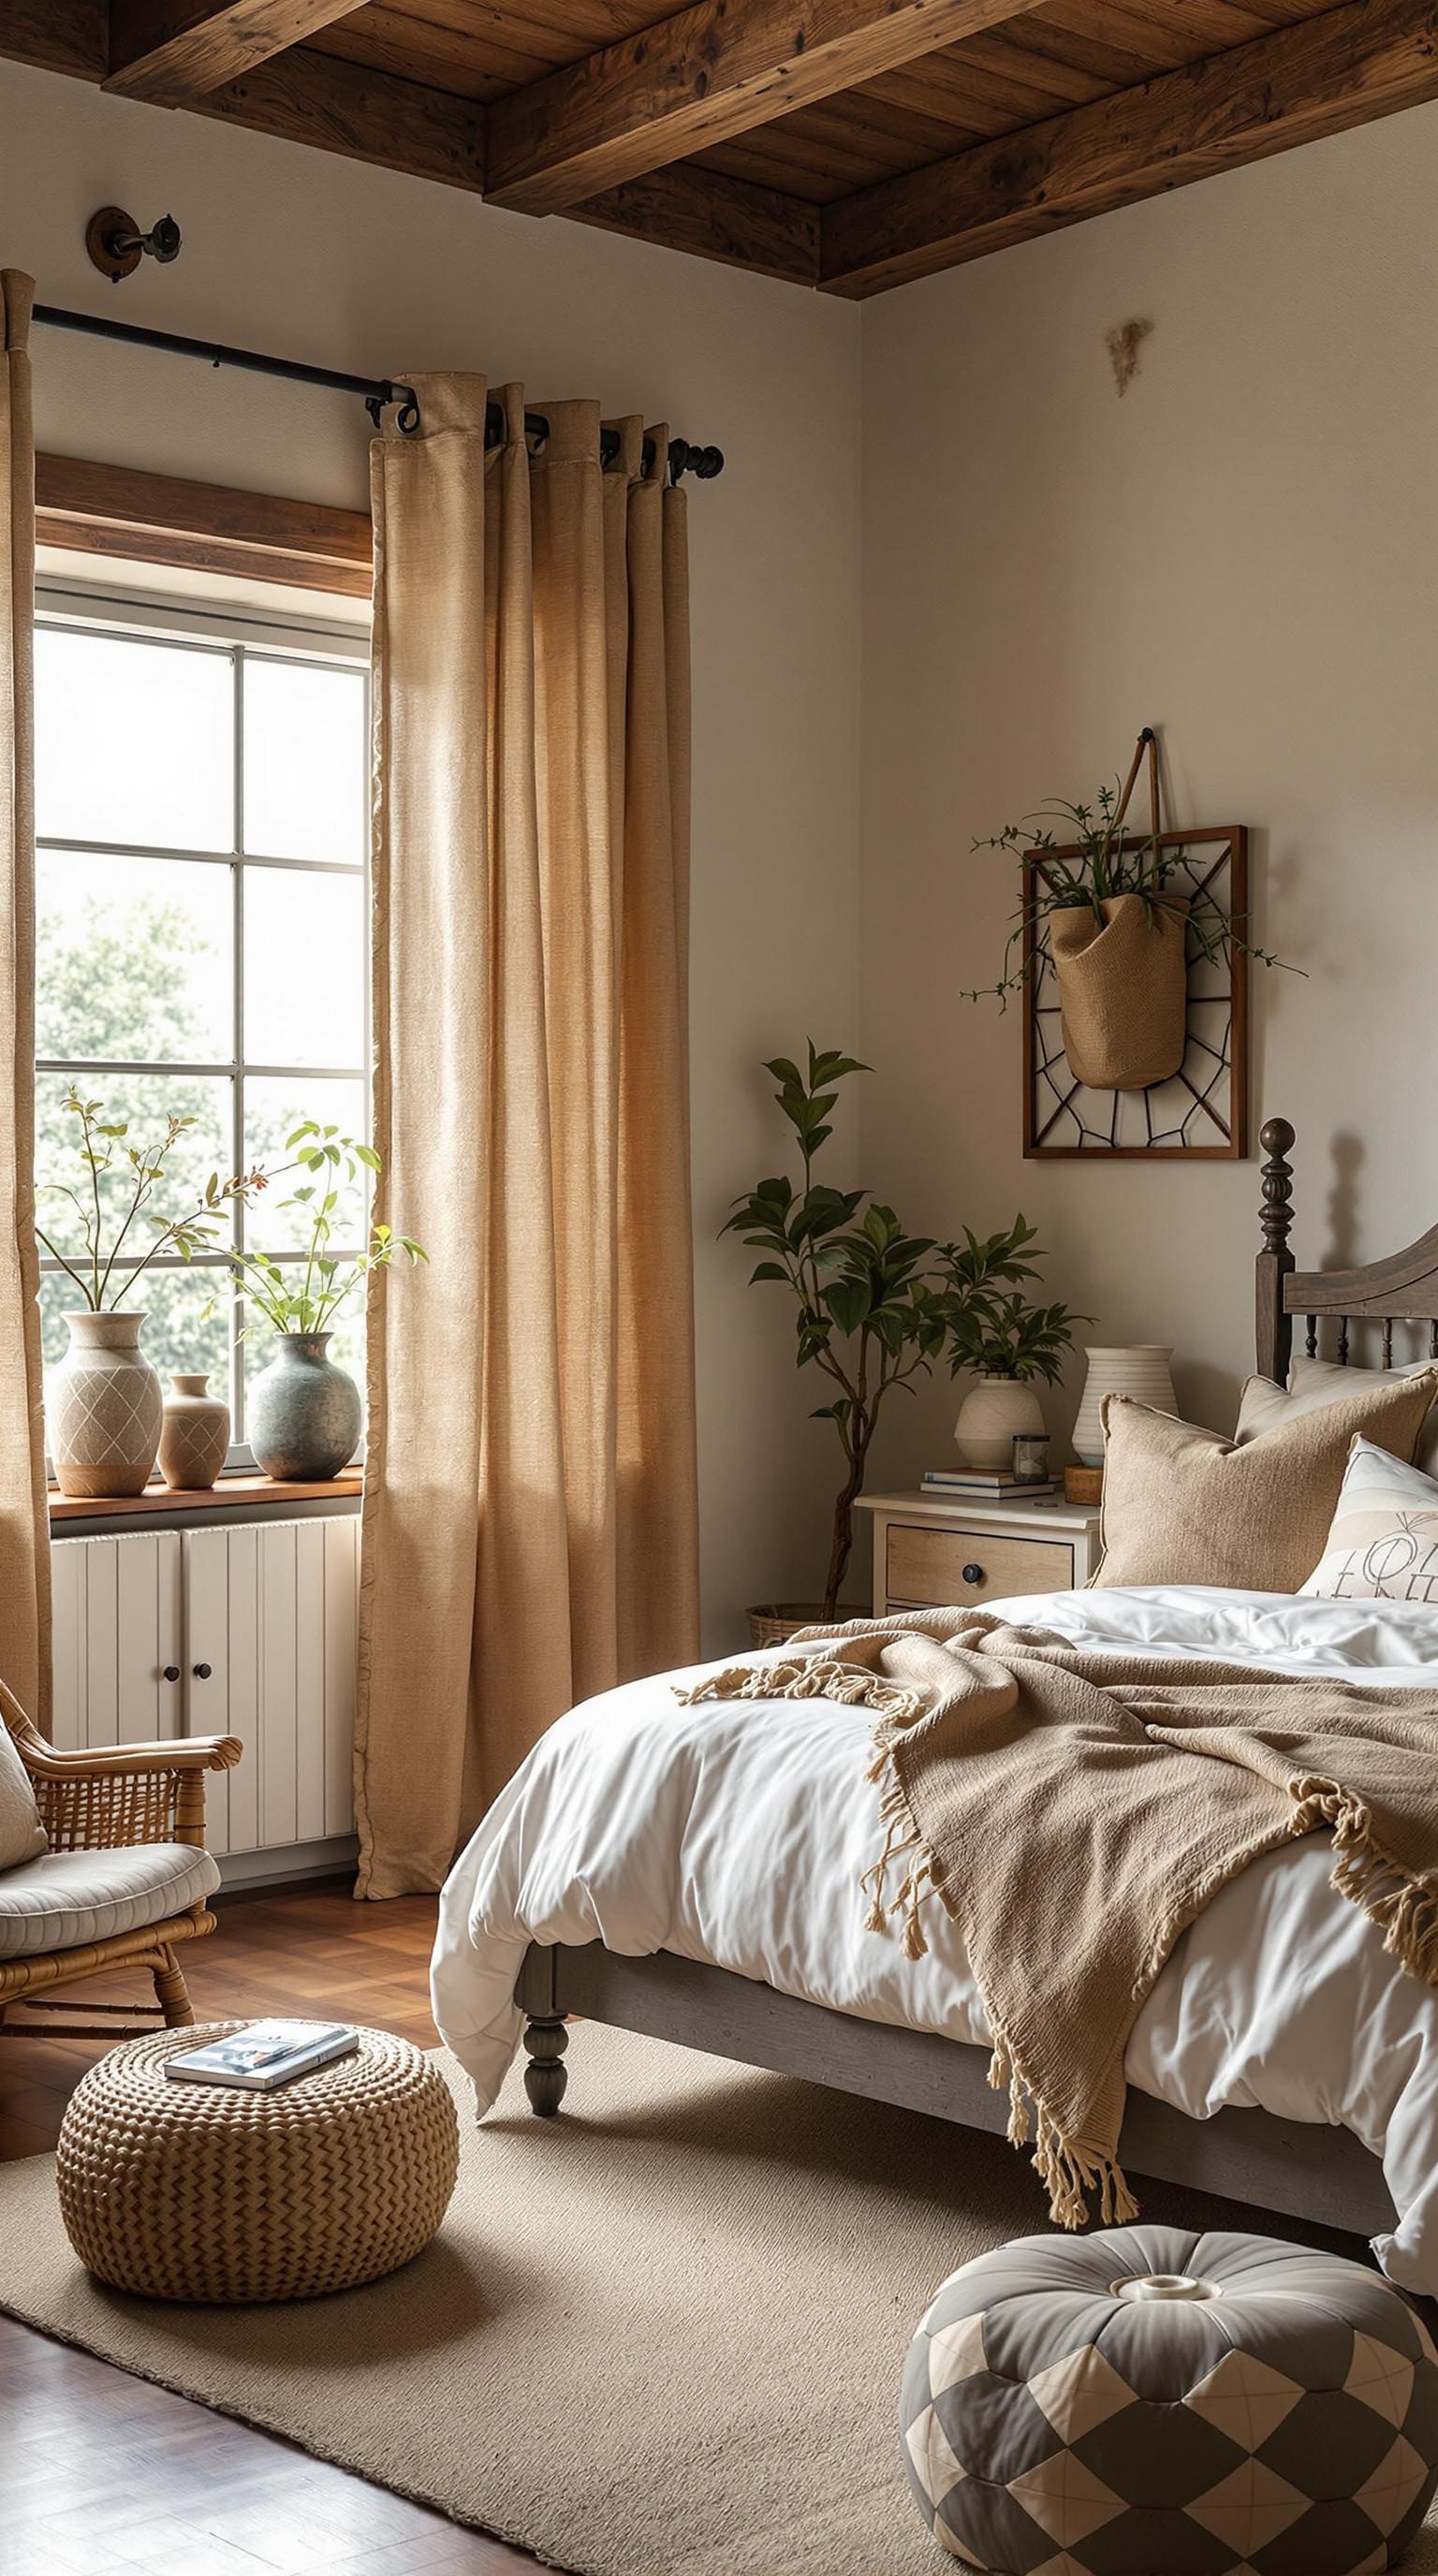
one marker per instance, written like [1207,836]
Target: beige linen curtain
[530,1530]
[24,1527]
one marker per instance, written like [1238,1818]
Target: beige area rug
[661,2336]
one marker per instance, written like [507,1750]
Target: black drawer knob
[203,1672]
[171,1673]
[973,1574]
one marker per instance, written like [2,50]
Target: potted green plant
[864,1317]
[303,1412]
[103,1406]
[991,1329]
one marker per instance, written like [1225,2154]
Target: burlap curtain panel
[24,1527]
[530,1525]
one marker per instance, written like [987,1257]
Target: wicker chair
[110,1799]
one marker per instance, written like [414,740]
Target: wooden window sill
[249,1490]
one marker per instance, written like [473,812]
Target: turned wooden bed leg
[546,2075]
[173,1995]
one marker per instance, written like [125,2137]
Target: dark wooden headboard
[1403,1288]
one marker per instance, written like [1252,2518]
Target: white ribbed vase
[1141,1369]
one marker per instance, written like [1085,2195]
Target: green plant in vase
[103,1405]
[863,1314]
[303,1412]
[990,1328]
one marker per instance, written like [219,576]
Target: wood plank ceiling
[850,145]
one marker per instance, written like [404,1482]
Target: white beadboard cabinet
[246,1629]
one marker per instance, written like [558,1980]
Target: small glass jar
[1031,1457]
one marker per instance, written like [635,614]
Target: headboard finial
[1276,1214]
[1275,1261]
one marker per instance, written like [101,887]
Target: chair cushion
[64,1900]
[21,1833]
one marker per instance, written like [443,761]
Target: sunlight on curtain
[530,1512]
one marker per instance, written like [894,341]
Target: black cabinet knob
[973,1574]
[171,1673]
[203,1672]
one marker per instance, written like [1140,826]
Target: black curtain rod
[378,392]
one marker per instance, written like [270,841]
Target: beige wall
[315,257]
[1244,551]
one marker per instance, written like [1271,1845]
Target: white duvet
[737,1832]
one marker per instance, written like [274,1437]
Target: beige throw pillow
[22,1836]
[1312,1383]
[1383,1543]
[1182,1505]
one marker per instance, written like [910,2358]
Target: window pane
[133,959]
[133,742]
[145,1101]
[274,1108]
[304,968]
[306,768]
[177,1333]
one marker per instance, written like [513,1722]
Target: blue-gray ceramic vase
[303,1412]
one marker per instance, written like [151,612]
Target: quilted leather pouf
[1149,2403]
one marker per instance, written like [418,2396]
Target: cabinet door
[271,1610]
[117,1624]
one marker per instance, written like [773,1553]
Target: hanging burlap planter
[1123,990]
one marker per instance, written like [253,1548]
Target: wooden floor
[107,2476]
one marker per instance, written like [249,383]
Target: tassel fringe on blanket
[1084,2026]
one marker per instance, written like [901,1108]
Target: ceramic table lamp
[1142,1369]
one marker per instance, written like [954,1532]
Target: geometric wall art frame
[1200,1114]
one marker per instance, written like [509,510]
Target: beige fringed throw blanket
[1075,1811]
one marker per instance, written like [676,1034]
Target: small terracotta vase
[103,1407]
[194,1437]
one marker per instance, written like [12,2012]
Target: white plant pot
[991,1416]
[103,1408]
[1137,1368]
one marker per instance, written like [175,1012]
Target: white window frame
[244,635]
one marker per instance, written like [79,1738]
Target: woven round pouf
[1144,2400]
[210,2193]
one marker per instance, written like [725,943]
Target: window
[202,789]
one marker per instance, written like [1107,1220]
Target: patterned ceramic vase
[303,1412]
[103,1408]
[195,1437]
[990,1418]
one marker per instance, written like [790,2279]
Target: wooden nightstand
[930,1554]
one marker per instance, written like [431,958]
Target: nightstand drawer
[941,1566]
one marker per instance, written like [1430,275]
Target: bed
[690,1873]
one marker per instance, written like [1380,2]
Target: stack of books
[978,1485]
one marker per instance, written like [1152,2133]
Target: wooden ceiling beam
[731,220]
[75,40]
[718,69]
[334,106]
[1320,77]
[172,52]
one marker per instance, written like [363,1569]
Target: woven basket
[208,2193]
[1123,990]
[773,1623]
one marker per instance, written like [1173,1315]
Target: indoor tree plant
[103,1402]
[303,1412]
[991,1329]
[864,1315]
